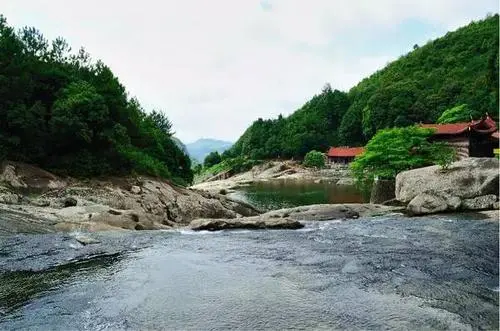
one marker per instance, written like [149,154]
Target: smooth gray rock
[84,240]
[425,203]
[245,223]
[465,179]
[480,203]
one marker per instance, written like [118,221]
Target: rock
[10,177]
[425,203]
[22,176]
[84,240]
[40,203]
[382,190]
[465,179]
[345,181]
[9,198]
[135,189]
[431,203]
[114,212]
[256,222]
[69,202]
[480,203]
[328,212]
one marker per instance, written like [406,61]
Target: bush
[314,159]
[391,151]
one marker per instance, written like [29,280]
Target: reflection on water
[278,194]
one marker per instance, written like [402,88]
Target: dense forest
[459,69]
[70,114]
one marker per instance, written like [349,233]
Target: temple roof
[345,151]
[485,126]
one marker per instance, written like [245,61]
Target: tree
[71,114]
[314,159]
[212,159]
[461,113]
[394,150]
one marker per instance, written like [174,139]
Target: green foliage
[461,113]
[459,68]
[314,159]
[68,113]
[391,151]
[212,159]
[313,126]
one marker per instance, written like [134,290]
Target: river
[388,273]
[283,193]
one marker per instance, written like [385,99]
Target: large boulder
[426,203]
[256,222]
[24,176]
[465,179]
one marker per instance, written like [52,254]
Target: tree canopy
[64,111]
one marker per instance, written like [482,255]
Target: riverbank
[34,200]
[276,170]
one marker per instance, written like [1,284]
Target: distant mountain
[202,147]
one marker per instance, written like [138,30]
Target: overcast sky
[214,66]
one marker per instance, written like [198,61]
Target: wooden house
[470,139]
[343,155]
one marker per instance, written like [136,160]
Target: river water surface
[285,193]
[383,273]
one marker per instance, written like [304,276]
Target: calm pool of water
[278,194]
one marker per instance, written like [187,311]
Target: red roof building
[343,155]
[474,138]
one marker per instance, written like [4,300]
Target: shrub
[314,159]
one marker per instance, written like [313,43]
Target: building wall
[460,144]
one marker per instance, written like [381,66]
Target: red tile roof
[345,151]
[455,128]
[486,125]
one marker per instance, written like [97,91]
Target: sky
[213,67]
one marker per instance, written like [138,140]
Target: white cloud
[215,66]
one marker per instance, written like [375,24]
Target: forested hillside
[460,68]
[63,111]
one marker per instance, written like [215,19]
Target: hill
[68,113]
[202,147]
[458,68]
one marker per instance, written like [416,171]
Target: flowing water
[382,273]
[278,194]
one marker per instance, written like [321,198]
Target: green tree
[212,159]
[71,114]
[461,113]
[314,159]
[394,150]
